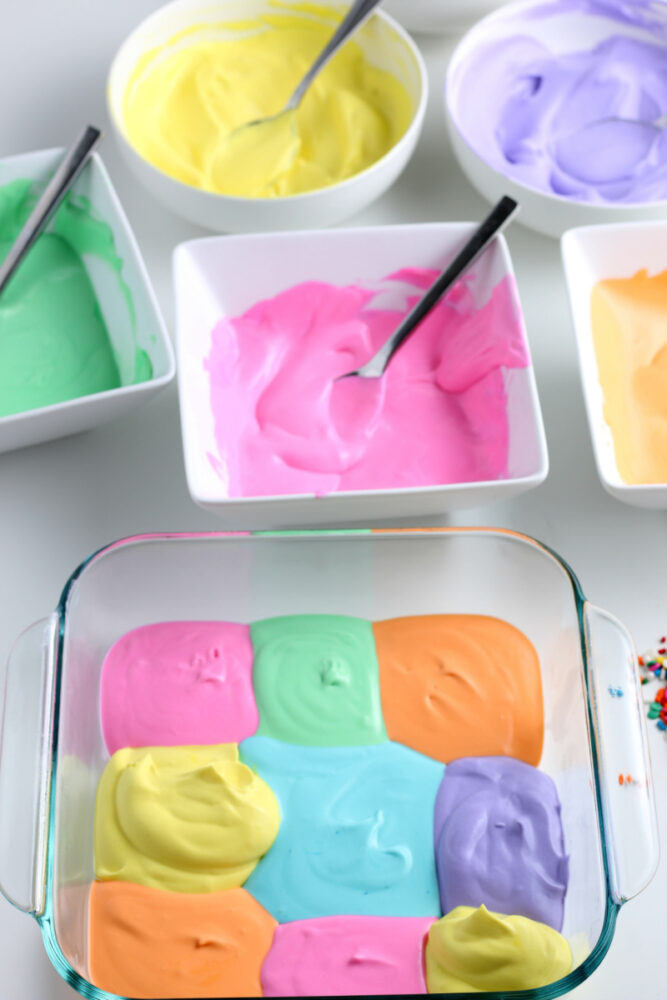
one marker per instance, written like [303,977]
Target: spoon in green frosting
[65,175]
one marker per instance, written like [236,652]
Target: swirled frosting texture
[499,839]
[178,684]
[54,344]
[357,831]
[473,950]
[460,686]
[628,321]
[284,424]
[185,97]
[147,943]
[571,123]
[316,680]
[189,819]
[347,956]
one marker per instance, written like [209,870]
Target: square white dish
[592,254]
[131,313]
[224,276]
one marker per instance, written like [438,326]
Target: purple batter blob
[499,839]
[564,123]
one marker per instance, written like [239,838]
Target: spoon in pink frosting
[493,224]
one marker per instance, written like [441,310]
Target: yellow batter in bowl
[186,97]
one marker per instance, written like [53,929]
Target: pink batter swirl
[284,425]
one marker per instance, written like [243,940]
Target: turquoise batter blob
[356,835]
[316,680]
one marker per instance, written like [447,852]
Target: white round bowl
[385,44]
[440,16]
[569,28]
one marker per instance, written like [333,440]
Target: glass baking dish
[53,753]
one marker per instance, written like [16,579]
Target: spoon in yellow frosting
[244,153]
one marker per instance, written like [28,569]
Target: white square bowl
[592,254]
[131,313]
[224,276]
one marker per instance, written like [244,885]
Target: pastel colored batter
[347,956]
[188,819]
[460,686]
[54,345]
[178,684]
[356,835]
[145,943]
[283,424]
[316,680]
[185,98]
[499,839]
[473,950]
[551,120]
[629,325]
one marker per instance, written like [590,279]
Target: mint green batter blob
[316,680]
[54,344]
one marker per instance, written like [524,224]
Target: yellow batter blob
[475,951]
[188,819]
[629,322]
[186,98]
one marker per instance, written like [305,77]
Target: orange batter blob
[629,323]
[460,686]
[148,943]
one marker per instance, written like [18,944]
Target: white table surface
[61,501]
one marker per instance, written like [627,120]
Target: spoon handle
[357,13]
[493,224]
[53,194]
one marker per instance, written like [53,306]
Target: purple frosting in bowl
[574,122]
[499,839]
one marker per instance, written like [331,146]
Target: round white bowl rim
[303,197]
[513,8]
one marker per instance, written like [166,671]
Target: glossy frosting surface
[571,123]
[460,686]
[316,680]
[347,956]
[356,834]
[499,839]
[185,97]
[473,950]
[146,943]
[189,819]
[178,683]
[54,345]
[284,424]
[629,325]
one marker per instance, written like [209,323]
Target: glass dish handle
[25,764]
[628,805]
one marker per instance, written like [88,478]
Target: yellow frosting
[473,951]
[189,819]
[184,98]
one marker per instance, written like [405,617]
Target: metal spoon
[53,194]
[660,124]
[235,146]
[493,224]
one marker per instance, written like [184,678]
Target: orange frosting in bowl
[629,323]
[460,686]
[149,943]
